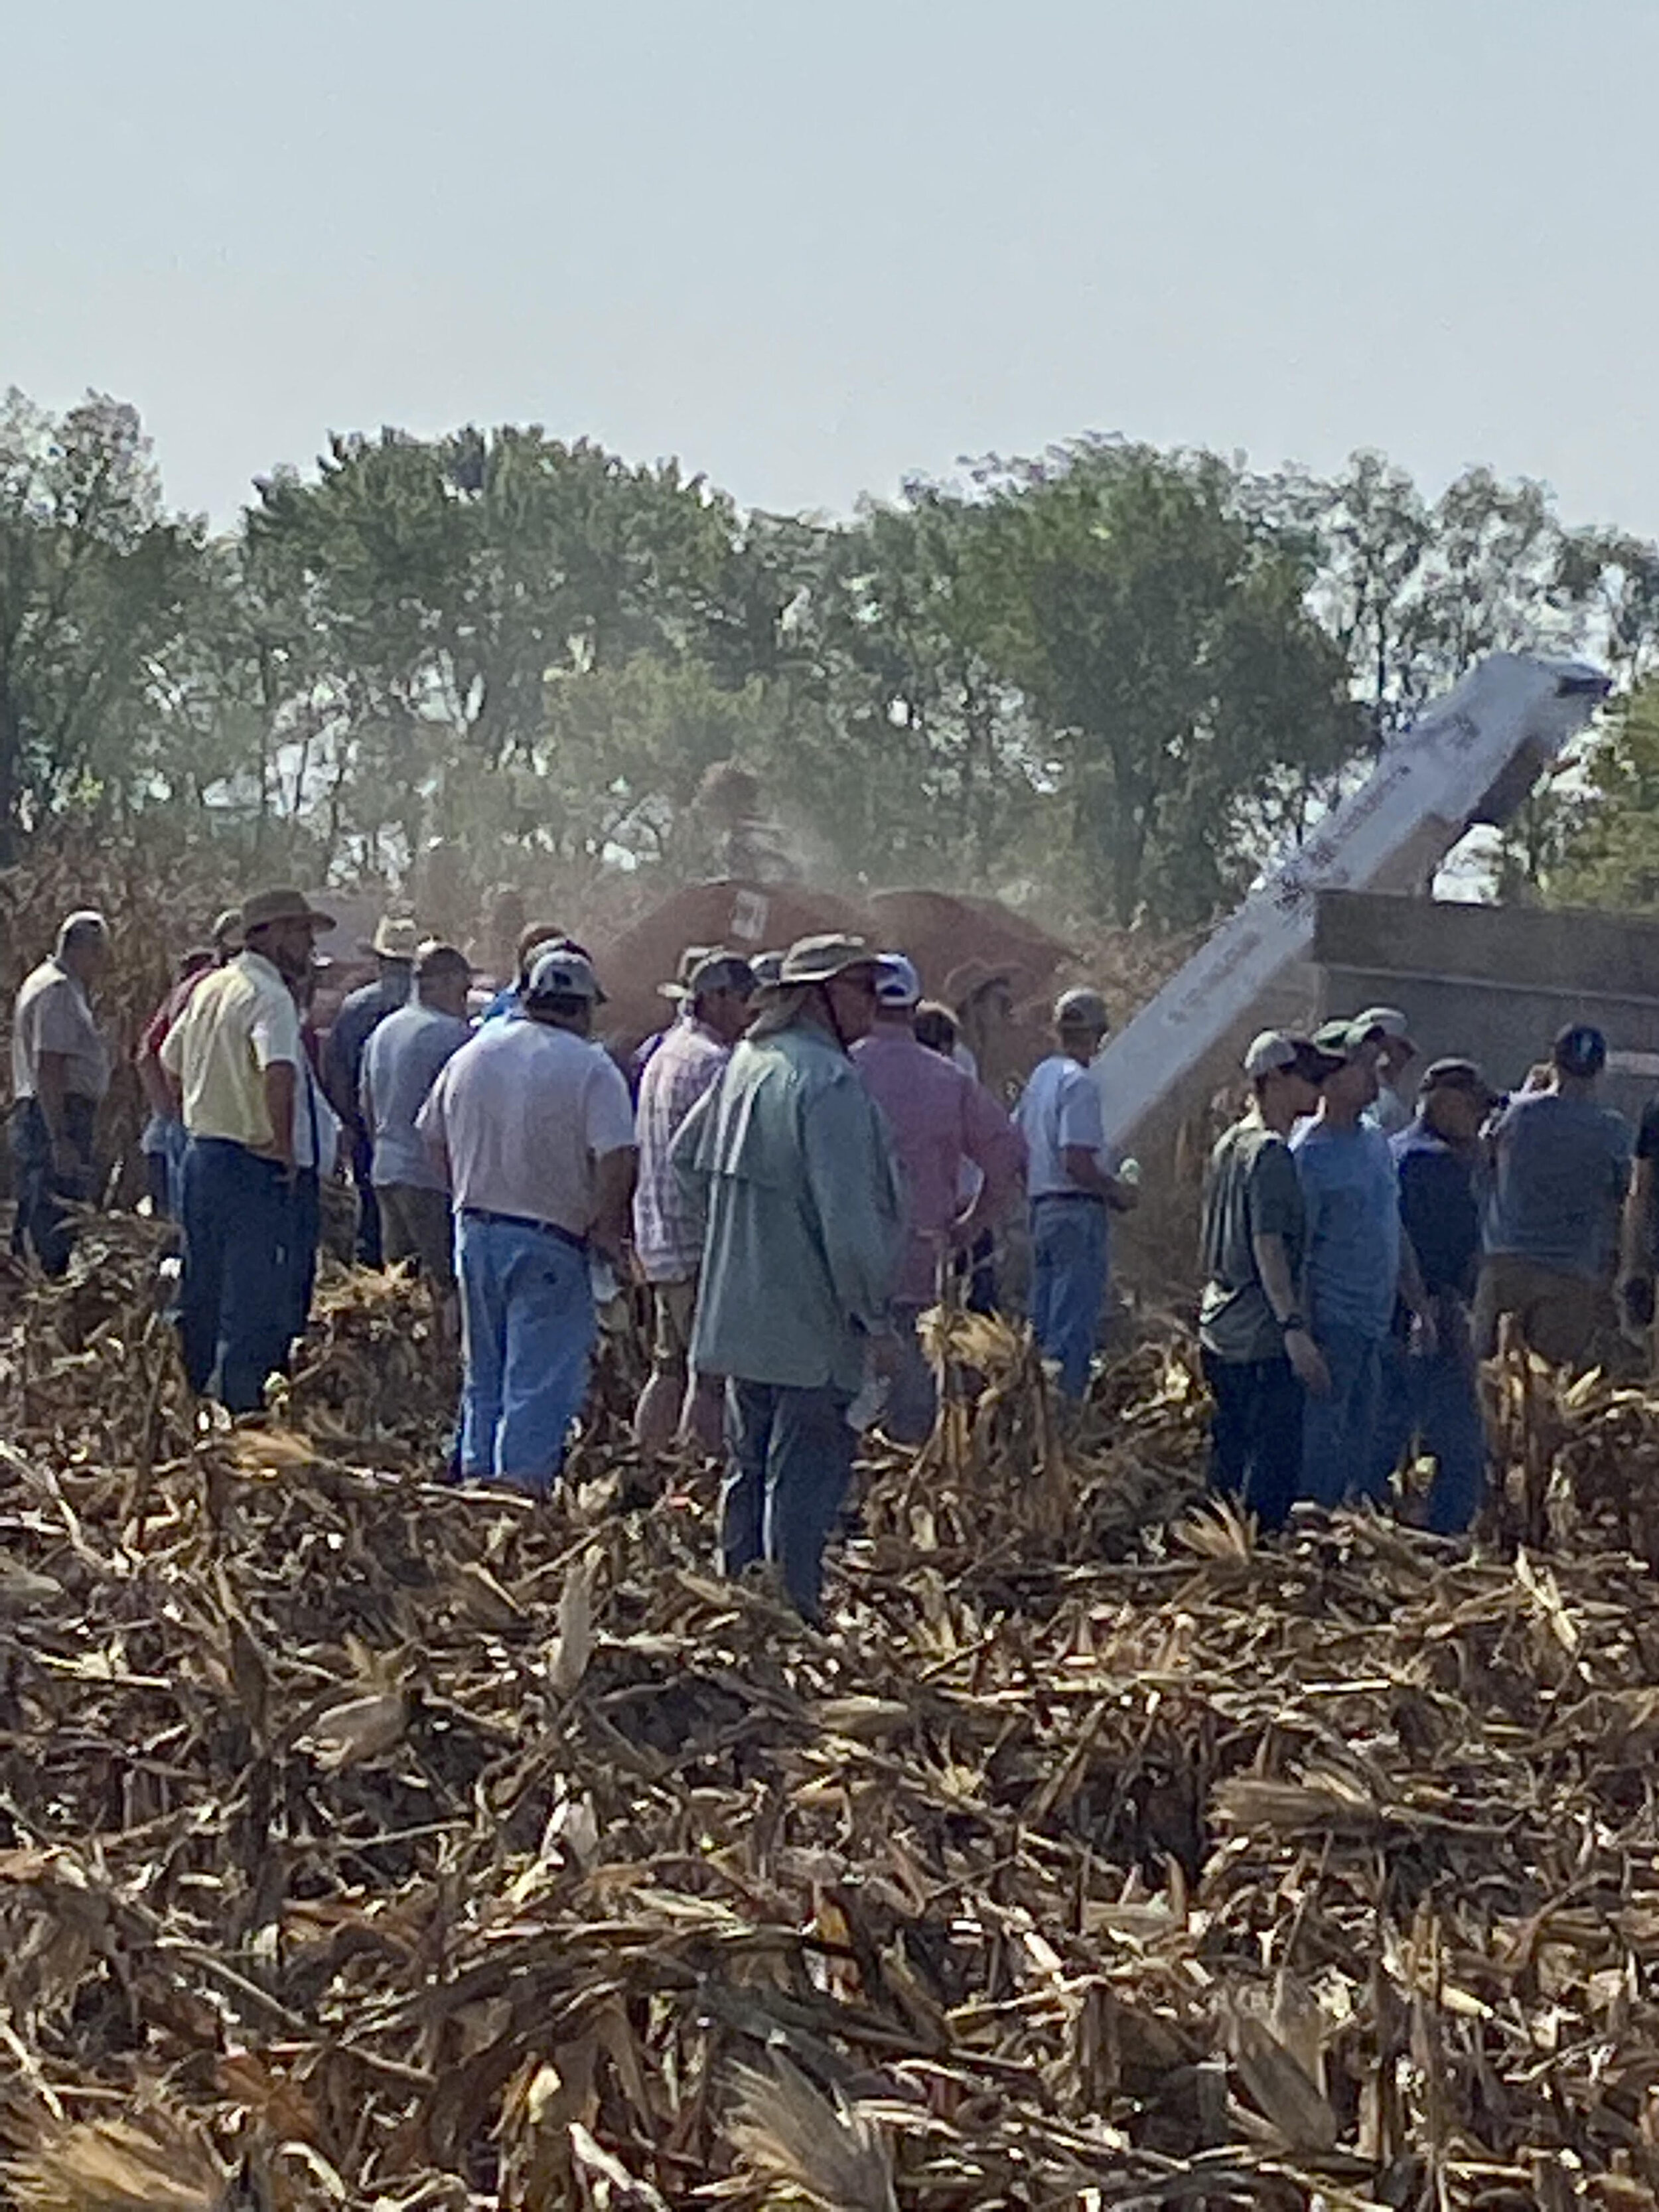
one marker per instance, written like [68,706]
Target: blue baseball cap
[1580,1050]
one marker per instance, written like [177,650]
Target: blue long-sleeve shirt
[790,1162]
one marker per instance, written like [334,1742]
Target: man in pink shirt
[942,1120]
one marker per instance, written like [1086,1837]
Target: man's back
[689,1057]
[361,1013]
[1560,1165]
[51,1015]
[1059,1108]
[239,1019]
[802,1208]
[938,1117]
[401,1062]
[525,1109]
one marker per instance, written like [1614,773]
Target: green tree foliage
[1602,846]
[93,583]
[1161,632]
[1117,679]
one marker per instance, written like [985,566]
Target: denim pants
[528,1329]
[912,1404]
[300,1250]
[790,1458]
[368,1206]
[1068,1284]
[1435,1404]
[41,1222]
[235,1292]
[1338,1432]
[1256,1434]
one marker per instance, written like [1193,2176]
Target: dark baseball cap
[1580,1050]
[1458,1075]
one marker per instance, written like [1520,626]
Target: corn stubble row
[368,1843]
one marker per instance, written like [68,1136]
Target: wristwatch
[1292,1322]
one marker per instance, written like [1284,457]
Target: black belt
[1068,1197]
[525,1221]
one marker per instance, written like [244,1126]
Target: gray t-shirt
[1251,1190]
[401,1062]
[1560,1167]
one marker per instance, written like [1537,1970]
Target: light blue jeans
[1340,1431]
[1068,1284]
[527,1333]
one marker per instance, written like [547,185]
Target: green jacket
[789,1163]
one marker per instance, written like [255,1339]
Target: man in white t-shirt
[1072,1189]
[533,1128]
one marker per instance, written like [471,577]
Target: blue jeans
[304,1228]
[1256,1434]
[790,1459]
[1436,1403]
[1068,1284]
[235,1296]
[912,1406]
[41,1222]
[527,1333]
[1338,1432]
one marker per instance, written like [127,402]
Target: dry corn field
[369,1844]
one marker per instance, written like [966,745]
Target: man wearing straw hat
[233,1062]
[788,1163]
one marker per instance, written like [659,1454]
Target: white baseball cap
[558,973]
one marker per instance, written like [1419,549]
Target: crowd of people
[793,1169]
[1356,1280]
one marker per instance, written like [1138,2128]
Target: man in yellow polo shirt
[234,1059]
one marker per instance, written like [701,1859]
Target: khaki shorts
[415,1224]
[673,1308]
[1556,1313]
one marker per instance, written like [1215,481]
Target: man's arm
[1083,1166]
[1273,1264]
[281,1087]
[996,1148]
[50,1083]
[613,1192]
[339,1084]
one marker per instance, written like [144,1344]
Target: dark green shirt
[1251,1190]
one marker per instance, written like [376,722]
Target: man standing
[1560,1166]
[1358,1263]
[531,1127]
[788,1163]
[402,1060]
[1072,1189]
[1388,1030]
[394,944]
[1259,1357]
[60,1071]
[164,1137]
[943,1122]
[535,937]
[1433,1395]
[688,1058]
[234,1063]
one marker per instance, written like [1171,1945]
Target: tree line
[1112,680]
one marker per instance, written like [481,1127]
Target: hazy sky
[810,248]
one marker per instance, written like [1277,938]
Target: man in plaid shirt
[667,1239]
